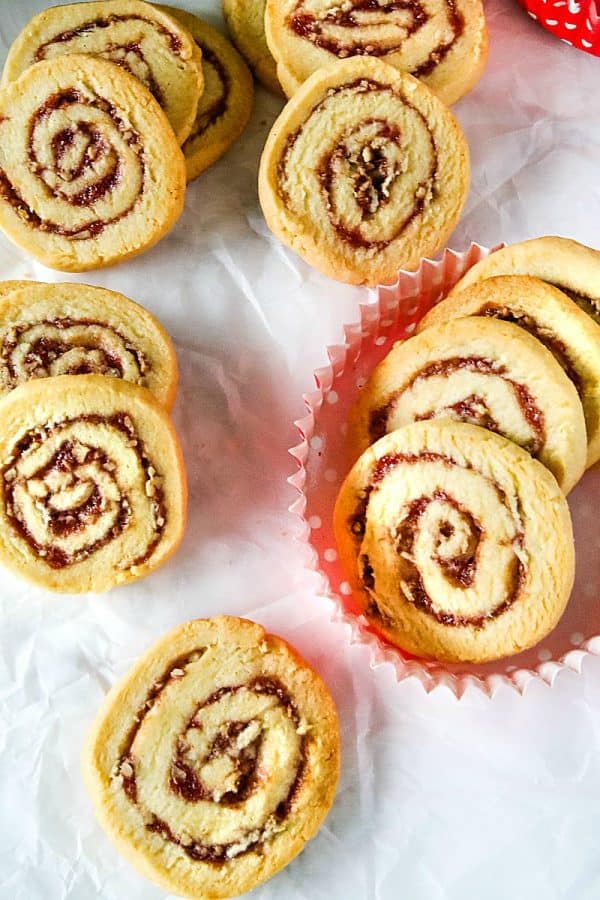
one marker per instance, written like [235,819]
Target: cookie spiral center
[68,347]
[81,157]
[461,541]
[377,173]
[226,774]
[358,27]
[66,498]
[380,27]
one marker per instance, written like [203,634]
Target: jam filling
[549,340]
[65,465]
[172,40]
[96,147]
[218,107]
[131,58]
[472,408]
[323,30]
[368,163]
[459,570]
[184,779]
[590,305]
[43,351]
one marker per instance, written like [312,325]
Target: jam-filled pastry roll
[137,36]
[246,23]
[215,759]
[457,544]
[92,484]
[364,172]
[76,329]
[483,371]
[442,42]
[561,262]
[571,335]
[90,170]
[226,104]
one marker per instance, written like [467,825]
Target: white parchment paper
[438,799]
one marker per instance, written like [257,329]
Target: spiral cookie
[75,329]
[215,759]
[90,171]
[548,314]
[226,104]
[364,172]
[135,35]
[442,42]
[92,485]
[246,22]
[457,543]
[486,372]
[563,263]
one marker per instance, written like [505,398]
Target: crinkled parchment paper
[439,799]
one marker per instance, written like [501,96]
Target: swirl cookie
[571,335]
[364,172]
[92,484]
[457,543]
[563,263]
[215,759]
[442,42]
[134,35]
[76,329]
[90,171]
[246,23]
[486,372]
[225,107]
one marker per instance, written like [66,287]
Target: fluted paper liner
[322,457]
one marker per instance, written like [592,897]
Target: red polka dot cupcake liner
[391,314]
[575,22]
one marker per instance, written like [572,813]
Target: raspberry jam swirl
[214,102]
[111,38]
[454,550]
[73,487]
[215,775]
[68,346]
[470,407]
[379,27]
[371,182]
[86,163]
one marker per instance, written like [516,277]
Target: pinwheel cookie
[572,336]
[75,329]
[572,267]
[490,373]
[442,42]
[215,759]
[92,485]
[246,22]
[90,171]
[226,104]
[135,35]
[457,543]
[364,172]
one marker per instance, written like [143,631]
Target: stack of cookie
[452,524]
[106,109]
[366,171]
[92,483]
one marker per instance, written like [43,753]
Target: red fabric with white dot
[576,22]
